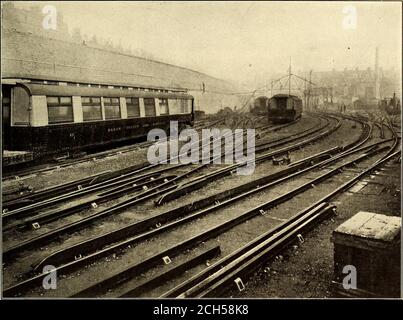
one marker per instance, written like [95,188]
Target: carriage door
[6,120]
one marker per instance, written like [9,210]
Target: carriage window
[149,106]
[91,108]
[52,100]
[178,106]
[5,102]
[133,107]
[60,109]
[65,100]
[112,108]
[174,106]
[20,108]
[184,106]
[164,106]
[290,104]
[6,105]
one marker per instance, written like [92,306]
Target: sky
[242,41]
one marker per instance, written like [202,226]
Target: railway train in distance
[259,106]
[45,119]
[283,108]
[199,114]
[391,106]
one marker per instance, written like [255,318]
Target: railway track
[215,280]
[105,178]
[196,210]
[30,204]
[101,155]
[55,214]
[85,259]
[120,277]
[64,163]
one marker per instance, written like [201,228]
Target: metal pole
[310,85]
[289,79]
[305,92]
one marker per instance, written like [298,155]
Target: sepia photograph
[173,150]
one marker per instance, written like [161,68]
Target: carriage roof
[282,95]
[57,90]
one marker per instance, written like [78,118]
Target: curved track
[68,259]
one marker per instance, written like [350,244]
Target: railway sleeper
[218,200]
[119,277]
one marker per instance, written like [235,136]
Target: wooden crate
[371,243]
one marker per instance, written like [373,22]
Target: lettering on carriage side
[50,280]
[114,129]
[49,22]
[350,280]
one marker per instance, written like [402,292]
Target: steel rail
[124,275]
[217,201]
[28,243]
[43,193]
[199,182]
[89,157]
[194,240]
[185,289]
[81,223]
[147,223]
[166,275]
[98,179]
[29,199]
[86,203]
[395,142]
[254,244]
[249,265]
[33,208]
[284,140]
[263,251]
[123,182]
[77,225]
[116,177]
[129,272]
[64,187]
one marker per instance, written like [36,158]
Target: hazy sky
[241,40]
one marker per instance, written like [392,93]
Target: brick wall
[33,56]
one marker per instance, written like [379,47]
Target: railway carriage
[48,119]
[284,108]
[260,105]
[390,106]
